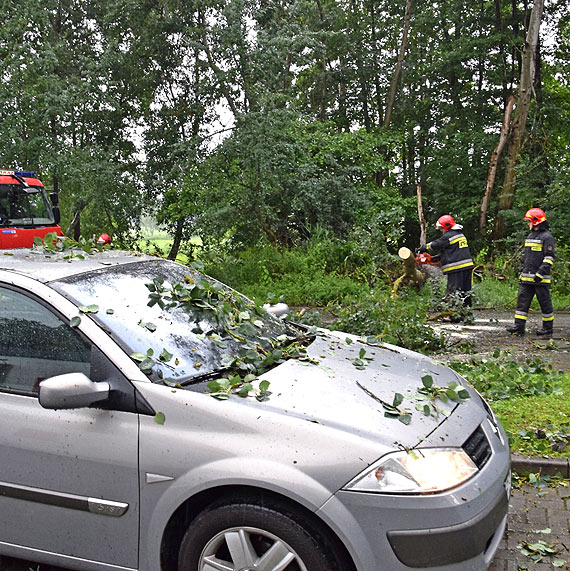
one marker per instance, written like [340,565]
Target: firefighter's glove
[421,250]
[537,278]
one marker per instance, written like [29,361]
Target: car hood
[346,383]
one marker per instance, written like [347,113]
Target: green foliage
[314,274]
[249,345]
[283,176]
[538,550]
[530,399]
[561,275]
[393,410]
[244,120]
[545,440]
[452,305]
[430,392]
[502,377]
[540,481]
[51,243]
[427,396]
[399,321]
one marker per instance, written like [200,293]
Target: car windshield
[176,322]
[24,207]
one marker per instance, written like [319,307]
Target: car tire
[243,535]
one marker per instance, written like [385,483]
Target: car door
[68,478]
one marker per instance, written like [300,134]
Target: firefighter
[456,261]
[536,277]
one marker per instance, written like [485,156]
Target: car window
[180,342]
[36,344]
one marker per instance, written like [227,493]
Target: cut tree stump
[411,275]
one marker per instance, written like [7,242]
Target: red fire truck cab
[25,210]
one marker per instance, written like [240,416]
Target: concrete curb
[534,464]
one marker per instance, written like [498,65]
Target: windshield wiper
[199,377]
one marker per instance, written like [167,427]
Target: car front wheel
[244,536]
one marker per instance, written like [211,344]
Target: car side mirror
[280,310]
[72,390]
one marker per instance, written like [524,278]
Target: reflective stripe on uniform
[458,238]
[457,265]
[526,277]
[521,315]
[534,245]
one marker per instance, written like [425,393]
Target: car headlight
[419,471]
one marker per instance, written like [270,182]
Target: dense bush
[322,271]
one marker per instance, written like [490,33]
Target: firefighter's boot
[516,330]
[545,331]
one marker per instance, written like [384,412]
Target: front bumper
[452,544]
[457,530]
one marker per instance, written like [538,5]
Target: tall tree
[399,62]
[524,96]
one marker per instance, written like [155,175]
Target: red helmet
[535,216]
[104,239]
[446,222]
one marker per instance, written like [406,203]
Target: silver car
[153,418]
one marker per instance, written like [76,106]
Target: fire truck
[26,212]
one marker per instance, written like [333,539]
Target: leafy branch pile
[539,481]
[501,377]
[399,321]
[236,328]
[428,395]
[547,439]
[51,243]
[540,549]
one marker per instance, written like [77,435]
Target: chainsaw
[427,259]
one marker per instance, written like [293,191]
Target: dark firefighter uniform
[456,261]
[535,278]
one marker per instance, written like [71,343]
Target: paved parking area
[531,513]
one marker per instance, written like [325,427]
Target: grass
[502,294]
[531,400]
[526,418]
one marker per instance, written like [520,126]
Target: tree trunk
[411,275]
[75,225]
[377,83]
[177,239]
[399,63]
[421,216]
[495,156]
[521,113]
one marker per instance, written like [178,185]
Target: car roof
[49,266]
